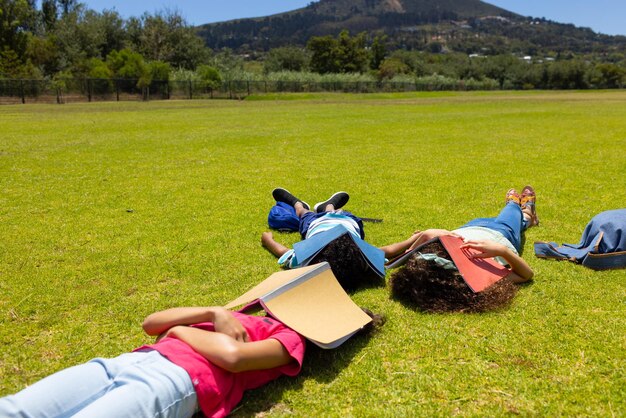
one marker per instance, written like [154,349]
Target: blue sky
[605,16]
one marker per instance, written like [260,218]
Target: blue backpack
[283,218]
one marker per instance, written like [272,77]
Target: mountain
[470,26]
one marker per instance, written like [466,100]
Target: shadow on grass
[320,365]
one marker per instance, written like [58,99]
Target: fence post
[248,85]
[190,91]
[89,90]
[265,83]
[117,89]
[230,89]
[22,93]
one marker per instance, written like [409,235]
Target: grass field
[111,211]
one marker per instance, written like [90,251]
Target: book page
[318,309]
[273,282]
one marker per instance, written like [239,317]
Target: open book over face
[310,301]
[478,273]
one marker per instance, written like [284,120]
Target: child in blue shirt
[336,236]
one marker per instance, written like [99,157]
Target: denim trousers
[509,222]
[141,384]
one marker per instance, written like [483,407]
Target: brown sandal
[512,196]
[528,204]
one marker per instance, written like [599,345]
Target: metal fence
[92,90]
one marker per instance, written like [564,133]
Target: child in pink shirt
[204,358]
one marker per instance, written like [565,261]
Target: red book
[478,273]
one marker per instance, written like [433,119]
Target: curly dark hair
[434,289]
[378,320]
[348,264]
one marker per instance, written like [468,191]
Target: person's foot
[282,195]
[512,196]
[338,200]
[528,204]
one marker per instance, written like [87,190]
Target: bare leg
[329,207]
[274,247]
[300,209]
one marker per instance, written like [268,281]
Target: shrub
[209,76]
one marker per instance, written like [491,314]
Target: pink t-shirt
[218,390]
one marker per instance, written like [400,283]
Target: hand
[226,323]
[486,249]
[169,333]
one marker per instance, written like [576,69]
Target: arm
[274,247]
[420,237]
[223,320]
[521,269]
[230,354]
[394,249]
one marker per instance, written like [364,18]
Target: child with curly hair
[430,281]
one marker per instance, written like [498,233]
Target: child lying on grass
[429,281]
[346,259]
[203,359]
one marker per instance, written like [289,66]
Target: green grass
[110,211]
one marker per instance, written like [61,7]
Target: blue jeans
[142,384]
[510,223]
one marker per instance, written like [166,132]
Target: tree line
[63,39]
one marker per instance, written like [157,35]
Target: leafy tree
[209,76]
[351,52]
[378,51]
[607,75]
[323,58]
[44,54]
[127,64]
[391,67]
[17,18]
[411,59]
[10,64]
[345,54]
[110,27]
[229,65]
[435,47]
[165,36]
[49,14]
[99,69]
[288,58]
[498,67]
[160,70]
[68,6]
[83,34]
[567,74]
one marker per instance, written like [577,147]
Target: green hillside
[469,26]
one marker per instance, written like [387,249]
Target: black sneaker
[338,200]
[282,195]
